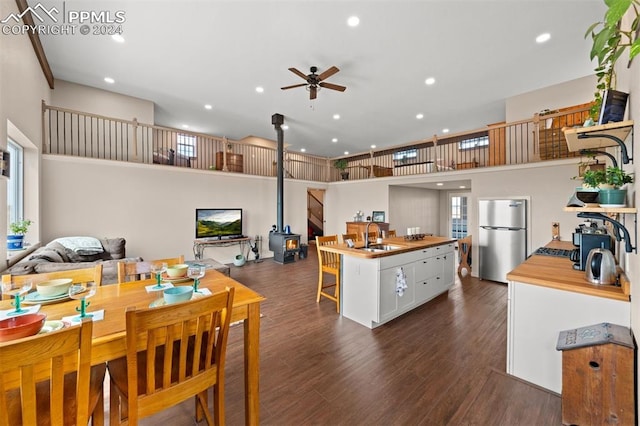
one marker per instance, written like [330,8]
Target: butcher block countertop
[403,245]
[558,273]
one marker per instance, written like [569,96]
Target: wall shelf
[624,210]
[597,136]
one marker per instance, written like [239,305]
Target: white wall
[153,206]
[22,89]
[414,207]
[97,101]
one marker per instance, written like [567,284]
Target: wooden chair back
[328,262]
[135,271]
[83,275]
[352,237]
[175,352]
[49,356]
[464,253]
[372,236]
[391,233]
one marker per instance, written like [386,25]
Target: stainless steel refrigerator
[503,237]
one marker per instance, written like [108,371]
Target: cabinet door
[391,302]
[444,277]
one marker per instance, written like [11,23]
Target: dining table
[109,333]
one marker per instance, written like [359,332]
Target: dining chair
[173,352]
[464,253]
[391,233]
[352,237]
[134,271]
[329,263]
[82,275]
[48,379]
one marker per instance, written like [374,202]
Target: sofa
[75,253]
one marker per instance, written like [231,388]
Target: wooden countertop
[558,273]
[404,247]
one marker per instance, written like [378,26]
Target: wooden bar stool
[329,263]
[464,251]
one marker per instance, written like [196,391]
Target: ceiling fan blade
[313,91]
[333,86]
[295,85]
[298,73]
[328,73]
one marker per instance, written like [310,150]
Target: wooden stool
[464,251]
[328,262]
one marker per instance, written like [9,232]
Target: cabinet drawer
[425,268]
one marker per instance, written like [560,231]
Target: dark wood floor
[442,363]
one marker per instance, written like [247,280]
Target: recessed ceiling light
[373,146]
[439,184]
[260,89]
[336,116]
[543,38]
[353,21]
[462,187]
[346,153]
[185,126]
[334,140]
[118,38]
[419,116]
[445,130]
[303,150]
[109,80]
[207,106]
[285,127]
[429,81]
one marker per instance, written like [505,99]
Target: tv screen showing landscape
[220,223]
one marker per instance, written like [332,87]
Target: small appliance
[601,267]
[585,243]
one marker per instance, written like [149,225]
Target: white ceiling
[184,54]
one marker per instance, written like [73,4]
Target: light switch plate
[555,230]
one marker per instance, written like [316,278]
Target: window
[186,145]
[474,142]
[15,203]
[405,155]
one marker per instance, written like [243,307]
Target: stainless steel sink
[377,248]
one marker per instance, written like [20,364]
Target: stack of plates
[35,298]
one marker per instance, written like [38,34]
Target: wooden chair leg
[218,403]
[320,277]
[337,293]
[97,417]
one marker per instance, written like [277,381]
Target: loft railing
[76,133]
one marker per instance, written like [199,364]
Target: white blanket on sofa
[84,246]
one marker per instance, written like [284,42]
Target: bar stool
[329,263]
[464,247]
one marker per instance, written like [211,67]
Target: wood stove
[284,246]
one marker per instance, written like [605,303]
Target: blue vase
[14,242]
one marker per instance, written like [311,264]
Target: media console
[201,243]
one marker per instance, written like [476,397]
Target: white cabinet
[369,286]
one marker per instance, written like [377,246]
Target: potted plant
[15,240]
[341,165]
[611,192]
[610,40]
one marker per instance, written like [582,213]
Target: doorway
[458,214]
[315,213]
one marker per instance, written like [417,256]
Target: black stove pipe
[277,120]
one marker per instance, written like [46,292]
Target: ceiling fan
[315,81]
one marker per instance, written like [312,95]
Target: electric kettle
[601,267]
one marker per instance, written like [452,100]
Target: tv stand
[201,243]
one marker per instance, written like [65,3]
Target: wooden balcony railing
[76,133]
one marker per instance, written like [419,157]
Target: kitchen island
[546,296]
[378,286]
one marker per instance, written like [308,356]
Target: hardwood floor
[440,364]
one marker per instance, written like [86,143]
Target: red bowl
[21,326]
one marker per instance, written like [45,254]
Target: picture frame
[377,216]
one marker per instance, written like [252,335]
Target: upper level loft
[540,138]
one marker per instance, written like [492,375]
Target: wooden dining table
[109,333]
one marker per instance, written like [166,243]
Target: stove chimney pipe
[277,120]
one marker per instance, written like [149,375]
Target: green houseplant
[611,193]
[15,240]
[610,40]
[341,165]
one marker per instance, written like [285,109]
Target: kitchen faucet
[366,234]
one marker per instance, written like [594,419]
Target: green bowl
[180,293]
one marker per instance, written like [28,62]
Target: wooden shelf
[620,130]
[629,210]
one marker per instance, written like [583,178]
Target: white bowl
[54,287]
[177,271]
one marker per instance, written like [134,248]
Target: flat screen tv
[219,223]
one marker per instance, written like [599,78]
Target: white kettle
[601,267]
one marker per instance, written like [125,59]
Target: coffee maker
[586,239]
